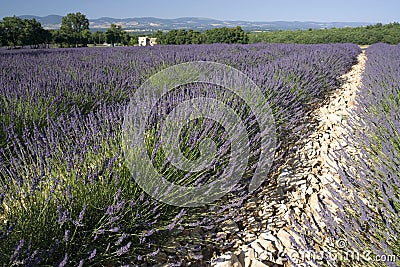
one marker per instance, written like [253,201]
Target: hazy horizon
[383,11]
[208,18]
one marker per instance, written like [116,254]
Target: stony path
[274,223]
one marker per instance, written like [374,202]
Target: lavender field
[68,198]
[373,173]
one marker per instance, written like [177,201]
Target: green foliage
[2,37]
[133,40]
[217,35]
[389,33]
[34,34]
[15,32]
[226,35]
[178,37]
[115,34]
[13,29]
[97,37]
[75,29]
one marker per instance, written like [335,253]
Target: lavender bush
[67,197]
[371,176]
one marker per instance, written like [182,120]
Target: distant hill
[154,24]
[49,22]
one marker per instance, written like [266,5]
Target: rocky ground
[279,222]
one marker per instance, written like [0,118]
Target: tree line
[18,32]
[75,32]
[216,35]
[378,33]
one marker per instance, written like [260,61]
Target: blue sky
[253,10]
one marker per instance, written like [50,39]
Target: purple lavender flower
[18,249]
[120,239]
[114,229]
[63,215]
[66,235]
[78,222]
[124,249]
[64,261]
[92,254]
[77,126]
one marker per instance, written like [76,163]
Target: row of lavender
[372,176]
[67,197]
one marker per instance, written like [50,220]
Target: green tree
[170,37]
[58,38]
[17,32]
[133,40]
[2,40]
[389,33]
[75,29]
[114,34]
[181,37]
[13,31]
[226,35]
[158,34]
[85,36]
[125,38]
[34,34]
[98,37]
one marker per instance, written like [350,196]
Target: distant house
[147,41]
